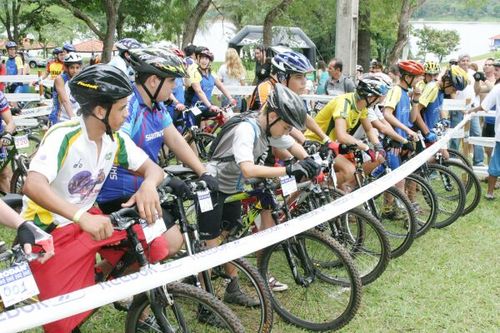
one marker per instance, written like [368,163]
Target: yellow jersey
[342,106]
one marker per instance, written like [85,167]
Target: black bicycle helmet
[102,84]
[204,51]
[288,105]
[156,61]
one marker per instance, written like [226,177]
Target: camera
[479,76]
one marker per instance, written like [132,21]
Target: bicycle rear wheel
[457,156]
[424,202]
[470,182]
[322,296]
[192,310]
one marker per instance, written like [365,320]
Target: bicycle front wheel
[470,182]
[424,202]
[320,296]
[190,309]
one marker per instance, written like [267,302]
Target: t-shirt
[343,106]
[121,64]
[339,87]
[14,65]
[229,80]
[145,126]
[397,99]
[246,142]
[492,100]
[373,114]
[4,107]
[206,81]
[323,78]
[69,161]
[54,68]
[262,71]
[432,101]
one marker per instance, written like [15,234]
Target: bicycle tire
[458,156]
[179,292]
[17,181]
[319,313]
[450,206]
[471,184]
[401,231]
[371,255]
[203,143]
[428,205]
[252,283]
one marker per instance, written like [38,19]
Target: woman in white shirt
[232,73]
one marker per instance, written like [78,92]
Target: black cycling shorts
[223,216]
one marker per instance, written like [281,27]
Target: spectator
[25,88]
[483,84]
[394,74]
[232,73]
[456,116]
[338,83]
[359,73]
[492,101]
[190,56]
[262,65]
[322,78]
[376,66]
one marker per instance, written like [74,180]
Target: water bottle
[378,171]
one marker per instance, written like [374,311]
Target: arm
[298,151]
[59,86]
[387,129]
[223,89]
[344,137]
[197,89]
[314,127]
[389,116]
[250,170]
[10,126]
[416,117]
[370,133]
[178,145]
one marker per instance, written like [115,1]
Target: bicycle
[254,318]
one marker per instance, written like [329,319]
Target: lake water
[474,36]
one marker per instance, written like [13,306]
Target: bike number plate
[288,185]
[152,231]
[17,284]
[205,201]
[195,110]
[21,141]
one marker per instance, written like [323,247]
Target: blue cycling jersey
[56,103]
[145,126]
[11,66]
[397,98]
[4,107]
[432,113]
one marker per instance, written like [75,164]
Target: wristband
[325,140]
[78,215]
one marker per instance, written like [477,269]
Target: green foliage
[439,42]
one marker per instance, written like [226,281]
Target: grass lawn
[447,282]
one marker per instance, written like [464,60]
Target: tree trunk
[193,20]
[112,7]
[364,35]
[120,24]
[269,20]
[407,9]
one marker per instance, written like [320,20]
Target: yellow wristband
[78,215]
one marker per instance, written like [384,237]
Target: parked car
[34,61]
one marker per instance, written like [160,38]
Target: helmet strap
[106,122]
[268,126]
[411,81]
[157,92]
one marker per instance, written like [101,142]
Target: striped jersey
[69,161]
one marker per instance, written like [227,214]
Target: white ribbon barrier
[35,112]
[23,97]
[154,276]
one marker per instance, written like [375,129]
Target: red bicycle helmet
[411,67]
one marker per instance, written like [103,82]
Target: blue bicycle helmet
[10,45]
[291,62]
[126,44]
[57,51]
[68,47]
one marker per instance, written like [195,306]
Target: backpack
[226,128]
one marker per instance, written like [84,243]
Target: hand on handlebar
[179,187]
[211,181]
[307,168]
[7,139]
[413,135]
[213,108]
[147,201]
[180,107]
[98,226]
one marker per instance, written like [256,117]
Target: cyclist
[202,82]
[178,92]
[6,140]
[236,157]
[14,66]
[290,69]
[122,60]
[149,125]
[65,176]
[64,105]
[55,66]
[343,115]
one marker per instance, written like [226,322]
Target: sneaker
[275,285]
[416,208]
[392,213]
[206,316]
[489,196]
[240,298]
